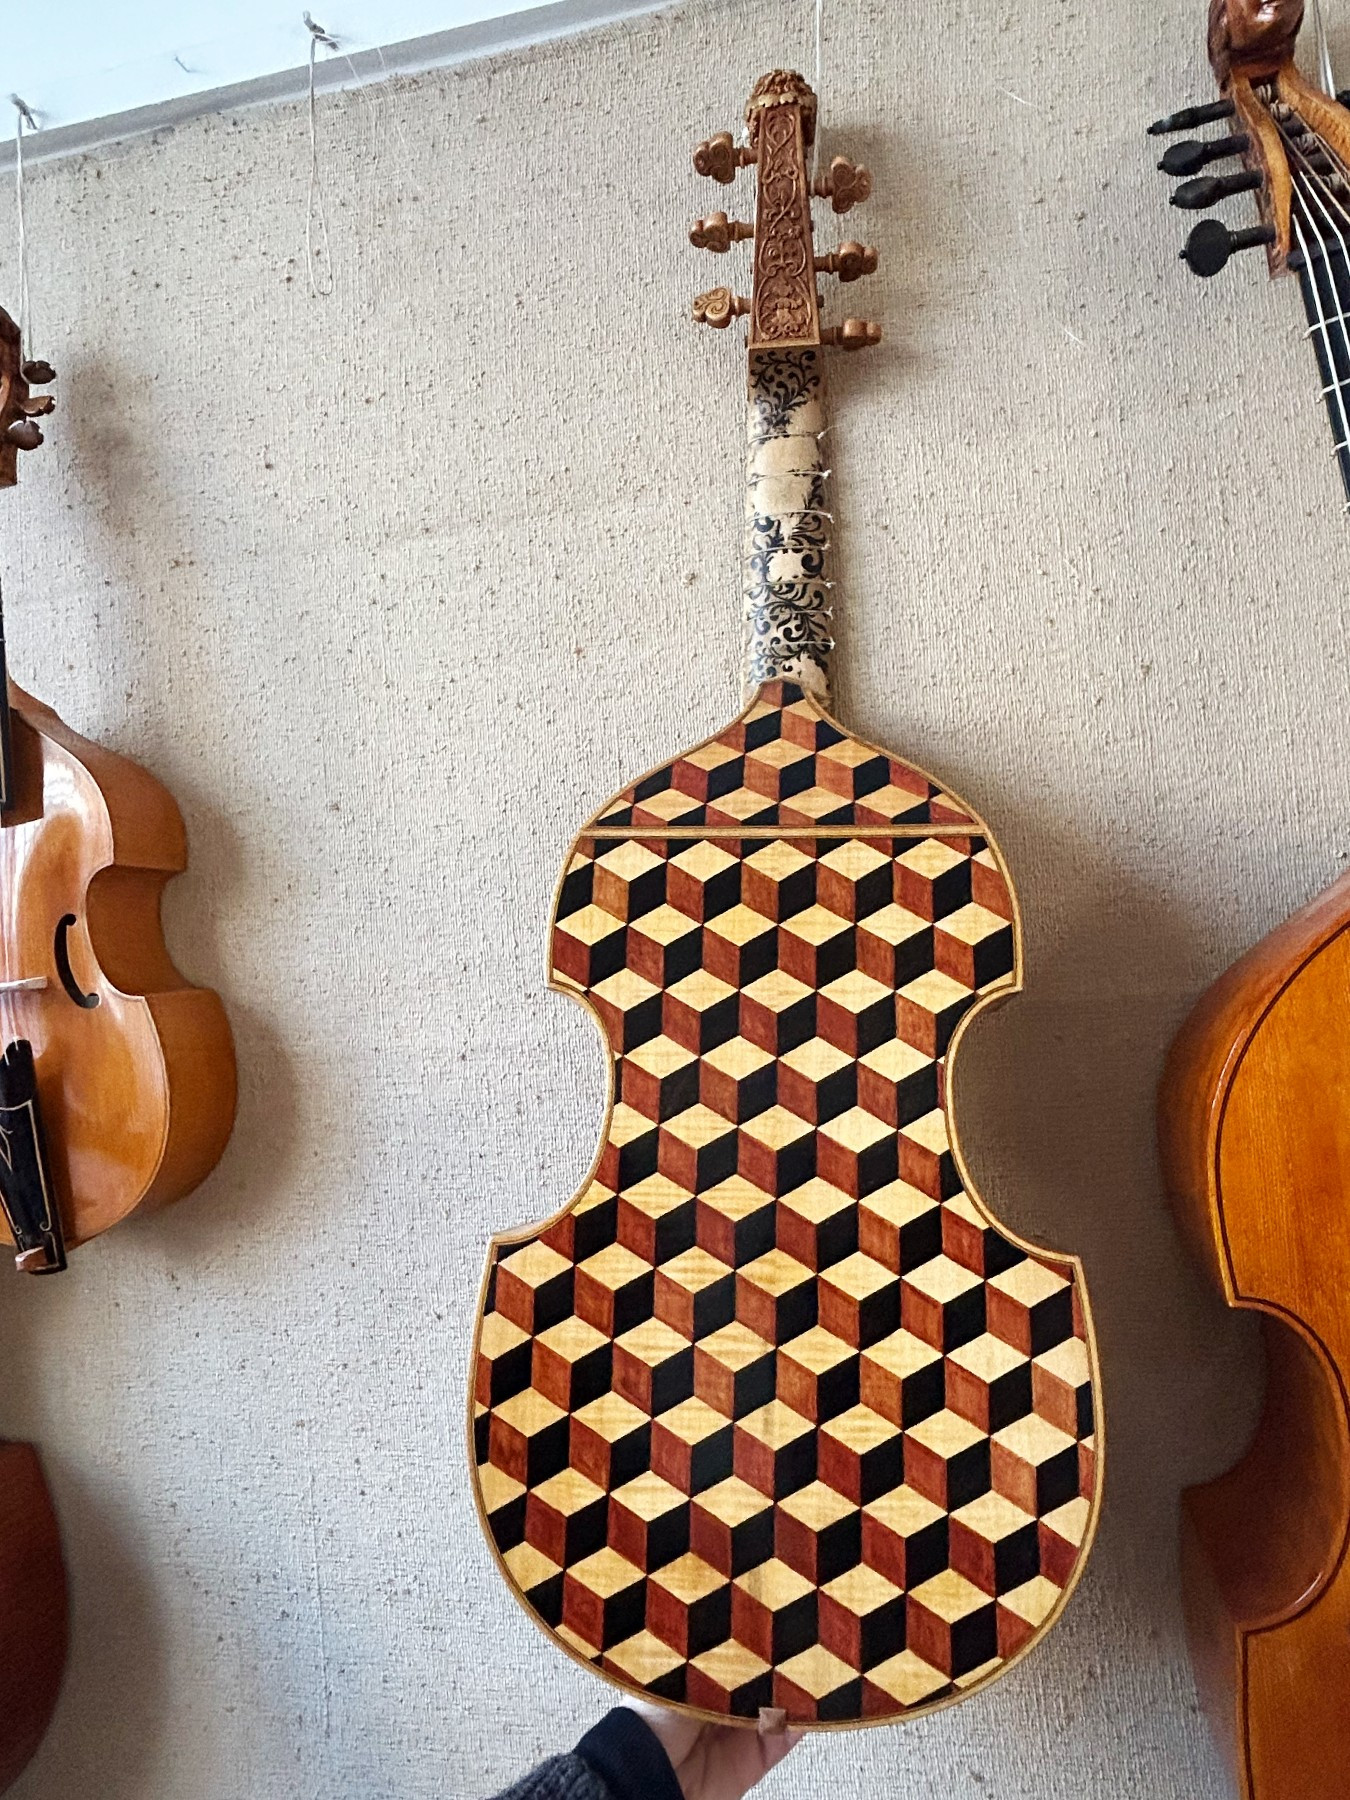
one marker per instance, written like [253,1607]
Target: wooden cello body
[1255,1137]
[1254,1107]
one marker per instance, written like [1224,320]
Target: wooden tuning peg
[718,307]
[849,261]
[845,185]
[718,232]
[719,158]
[853,334]
[24,433]
[37,373]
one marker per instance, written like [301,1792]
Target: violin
[774,1412]
[117,1077]
[1254,1103]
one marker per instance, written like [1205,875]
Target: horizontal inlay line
[781,831]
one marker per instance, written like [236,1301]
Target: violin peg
[718,233]
[1210,245]
[23,433]
[849,261]
[1208,190]
[718,307]
[1191,116]
[1194,154]
[37,373]
[719,157]
[37,406]
[846,185]
[853,334]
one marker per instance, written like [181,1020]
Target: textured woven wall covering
[393,588]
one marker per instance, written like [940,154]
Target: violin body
[774,1413]
[1255,1137]
[135,1066]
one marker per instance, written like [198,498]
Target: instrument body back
[1255,1133]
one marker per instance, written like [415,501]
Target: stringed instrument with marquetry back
[774,1413]
[1254,1105]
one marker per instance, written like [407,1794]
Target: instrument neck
[787,616]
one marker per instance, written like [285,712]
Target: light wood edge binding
[1072,1265]
[1226,1608]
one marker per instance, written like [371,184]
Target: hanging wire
[1324,70]
[23,121]
[820,65]
[316,210]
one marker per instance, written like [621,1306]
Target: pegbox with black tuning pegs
[1287,143]
[785,303]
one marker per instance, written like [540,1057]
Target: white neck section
[787,612]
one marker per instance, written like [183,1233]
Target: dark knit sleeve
[560,1778]
[621,1758]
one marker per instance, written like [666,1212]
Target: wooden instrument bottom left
[32,1608]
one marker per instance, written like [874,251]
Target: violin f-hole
[61,952]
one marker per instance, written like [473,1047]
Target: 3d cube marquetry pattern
[774,1413]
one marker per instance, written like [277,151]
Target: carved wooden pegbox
[784,307]
[774,1412]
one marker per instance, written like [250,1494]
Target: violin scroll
[1252,38]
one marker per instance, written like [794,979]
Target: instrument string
[1310,190]
[819,10]
[316,210]
[1333,394]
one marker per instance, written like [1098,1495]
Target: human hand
[718,1762]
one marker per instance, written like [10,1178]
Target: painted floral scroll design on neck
[788,624]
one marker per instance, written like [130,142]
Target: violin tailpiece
[25,1183]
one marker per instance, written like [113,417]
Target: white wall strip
[442,49]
